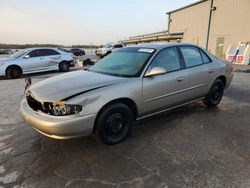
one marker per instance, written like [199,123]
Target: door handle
[211,71]
[180,79]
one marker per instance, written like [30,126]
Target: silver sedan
[32,60]
[130,84]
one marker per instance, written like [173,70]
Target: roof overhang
[148,38]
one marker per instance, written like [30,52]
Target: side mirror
[26,57]
[155,71]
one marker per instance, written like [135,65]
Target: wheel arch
[67,61]
[223,79]
[126,101]
[13,65]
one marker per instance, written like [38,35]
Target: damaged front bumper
[58,127]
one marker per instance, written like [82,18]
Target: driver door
[35,61]
[163,91]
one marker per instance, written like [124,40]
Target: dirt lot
[188,147]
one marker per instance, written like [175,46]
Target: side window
[168,59]
[48,52]
[52,52]
[35,53]
[191,56]
[205,58]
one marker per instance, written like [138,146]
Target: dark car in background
[34,60]
[77,51]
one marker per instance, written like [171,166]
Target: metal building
[213,24]
[216,25]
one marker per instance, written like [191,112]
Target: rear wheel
[64,66]
[114,123]
[14,72]
[215,94]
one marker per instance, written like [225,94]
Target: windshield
[18,54]
[126,62]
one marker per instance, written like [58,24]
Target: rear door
[163,91]
[198,72]
[52,58]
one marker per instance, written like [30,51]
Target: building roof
[150,34]
[159,45]
[154,37]
[190,5]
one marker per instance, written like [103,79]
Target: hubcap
[216,94]
[114,125]
[15,73]
[65,66]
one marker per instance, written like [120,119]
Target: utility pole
[212,8]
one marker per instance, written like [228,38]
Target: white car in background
[33,60]
[107,49]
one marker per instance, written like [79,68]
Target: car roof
[38,48]
[160,45]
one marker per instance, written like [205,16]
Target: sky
[81,21]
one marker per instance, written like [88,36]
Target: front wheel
[64,66]
[215,94]
[114,123]
[14,72]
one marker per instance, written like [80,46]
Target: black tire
[114,123]
[64,66]
[14,72]
[87,62]
[109,52]
[215,94]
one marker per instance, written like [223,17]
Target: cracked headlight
[63,109]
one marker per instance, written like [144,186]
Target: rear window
[191,56]
[48,52]
[205,58]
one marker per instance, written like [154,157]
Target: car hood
[102,49]
[71,84]
[6,59]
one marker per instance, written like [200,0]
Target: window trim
[152,60]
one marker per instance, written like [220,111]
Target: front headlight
[1,64]
[63,109]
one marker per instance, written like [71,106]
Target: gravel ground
[189,147]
